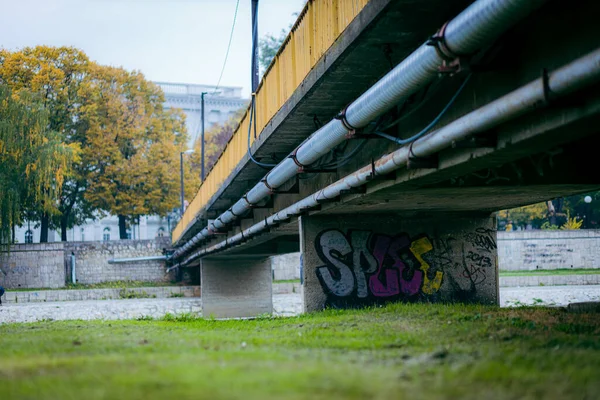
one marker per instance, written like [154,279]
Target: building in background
[219,106]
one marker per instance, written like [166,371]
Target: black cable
[432,123]
[228,46]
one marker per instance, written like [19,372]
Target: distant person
[509,226]
[1,294]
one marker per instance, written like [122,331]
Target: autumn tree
[55,75]
[33,160]
[134,145]
[216,138]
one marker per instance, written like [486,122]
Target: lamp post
[254,63]
[190,151]
[588,201]
[202,175]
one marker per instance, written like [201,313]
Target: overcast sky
[168,40]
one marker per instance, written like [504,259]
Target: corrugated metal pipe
[578,74]
[476,27]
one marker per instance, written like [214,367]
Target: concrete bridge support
[236,287]
[355,260]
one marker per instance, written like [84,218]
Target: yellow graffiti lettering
[418,248]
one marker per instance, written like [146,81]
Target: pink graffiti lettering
[363,265]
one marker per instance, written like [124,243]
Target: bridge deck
[321,67]
[546,154]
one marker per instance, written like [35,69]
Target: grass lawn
[543,272]
[413,351]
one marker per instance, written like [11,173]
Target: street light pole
[202,174]
[254,45]
[181,173]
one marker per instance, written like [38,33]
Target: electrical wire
[253,112]
[228,46]
[432,123]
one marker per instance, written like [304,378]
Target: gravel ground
[283,304]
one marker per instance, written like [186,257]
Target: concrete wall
[236,287]
[530,250]
[352,260]
[33,266]
[286,266]
[48,265]
[92,261]
[42,296]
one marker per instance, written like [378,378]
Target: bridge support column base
[236,287]
[358,260]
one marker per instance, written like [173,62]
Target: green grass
[544,272]
[102,285]
[287,281]
[413,351]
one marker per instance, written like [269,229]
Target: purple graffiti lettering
[391,287]
[372,266]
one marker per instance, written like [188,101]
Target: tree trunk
[13,235]
[122,227]
[44,228]
[63,228]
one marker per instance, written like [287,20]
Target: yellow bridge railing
[319,24]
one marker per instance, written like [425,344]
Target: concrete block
[236,287]
[357,260]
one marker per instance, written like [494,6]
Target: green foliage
[549,227]
[135,294]
[268,46]
[33,159]
[126,144]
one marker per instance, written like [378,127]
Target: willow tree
[134,145]
[55,75]
[33,160]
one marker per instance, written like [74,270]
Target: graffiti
[479,260]
[551,254]
[364,265]
[482,239]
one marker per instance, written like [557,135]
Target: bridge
[383,137]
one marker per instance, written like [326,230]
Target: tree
[33,160]
[134,145]
[268,46]
[55,75]
[216,138]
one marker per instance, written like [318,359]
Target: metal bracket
[452,63]
[362,189]
[374,176]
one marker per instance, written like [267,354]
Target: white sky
[168,40]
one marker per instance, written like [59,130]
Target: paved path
[98,309]
[283,304]
[548,295]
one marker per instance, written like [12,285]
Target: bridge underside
[438,209]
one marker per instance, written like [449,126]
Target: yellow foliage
[572,223]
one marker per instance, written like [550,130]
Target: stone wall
[43,296]
[48,265]
[33,266]
[530,250]
[91,261]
